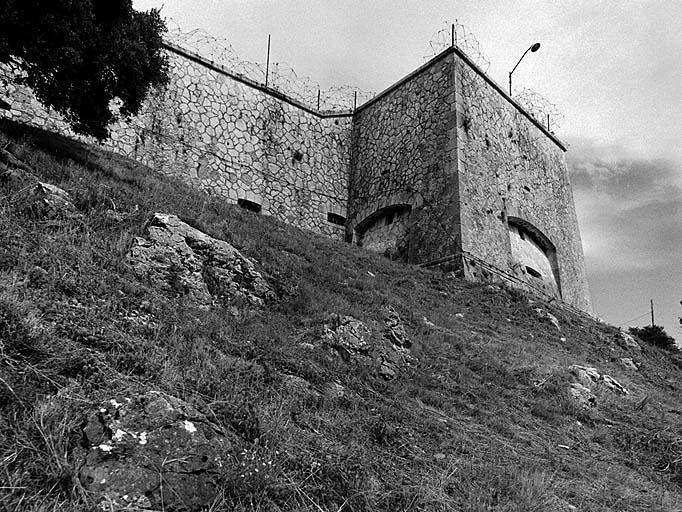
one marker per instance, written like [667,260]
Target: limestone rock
[629,363]
[177,258]
[44,202]
[588,375]
[583,395]
[394,331]
[386,347]
[627,342]
[614,385]
[155,451]
[548,316]
[348,334]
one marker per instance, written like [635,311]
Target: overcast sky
[613,68]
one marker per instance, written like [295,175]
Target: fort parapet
[442,167]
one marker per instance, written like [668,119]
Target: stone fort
[443,167]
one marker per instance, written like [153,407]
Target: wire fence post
[318,99]
[453,35]
[267,63]
[547,122]
[355,100]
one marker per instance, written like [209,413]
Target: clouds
[629,208]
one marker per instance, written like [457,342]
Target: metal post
[355,100]
[510,93]
[267,63]
[318,99]
[453,34]
[652,313]
[547,122]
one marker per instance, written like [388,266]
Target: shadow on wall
[385,230]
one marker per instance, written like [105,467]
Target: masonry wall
[509,167]
[403,159]
[234,141]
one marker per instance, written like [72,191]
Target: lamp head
[535,47]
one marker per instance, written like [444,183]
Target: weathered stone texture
[238,142]
[442,164]
[402,160]
[509,168]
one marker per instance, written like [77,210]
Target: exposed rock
[348,334]
[627,342]
[44,202]
[588,375]
[613,385]
[549,316]
[177,258]
[155,451]
[38,276]
[394,331]
[389,351]
[629,363]
[583,395]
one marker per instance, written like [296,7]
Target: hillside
[314,377]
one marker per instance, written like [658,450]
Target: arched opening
[384,230]
[534,255]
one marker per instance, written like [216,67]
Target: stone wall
[402,155]
[443,164]
[511,167]
[235,141]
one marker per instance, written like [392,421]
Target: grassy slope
[469,429]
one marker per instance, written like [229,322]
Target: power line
[633,319]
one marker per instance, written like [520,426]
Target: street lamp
[533,48]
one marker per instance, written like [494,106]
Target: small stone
[583,395]
[629,363]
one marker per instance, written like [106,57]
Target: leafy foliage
[79,55]
[654,335]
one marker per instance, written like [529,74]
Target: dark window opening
[533,272]
[390,217]
[337,219]
[249,205]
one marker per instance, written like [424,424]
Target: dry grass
[483,424]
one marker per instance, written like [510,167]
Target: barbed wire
[543,110]
[278,75]
[456,34]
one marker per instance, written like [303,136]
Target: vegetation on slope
[483,422]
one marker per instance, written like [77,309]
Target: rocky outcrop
[176,258]
[627,342]
[41,201]
[583,395]
[588,375]
[155,452]
[386,347]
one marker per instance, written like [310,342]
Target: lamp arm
[519,62]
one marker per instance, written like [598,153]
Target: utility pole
[267,63]
[652,312]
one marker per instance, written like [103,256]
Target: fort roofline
[326,115]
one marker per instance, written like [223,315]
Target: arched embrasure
[384,229]
[535,254]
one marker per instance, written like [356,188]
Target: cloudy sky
[613,68]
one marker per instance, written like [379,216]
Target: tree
[655,335]
[78,55]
